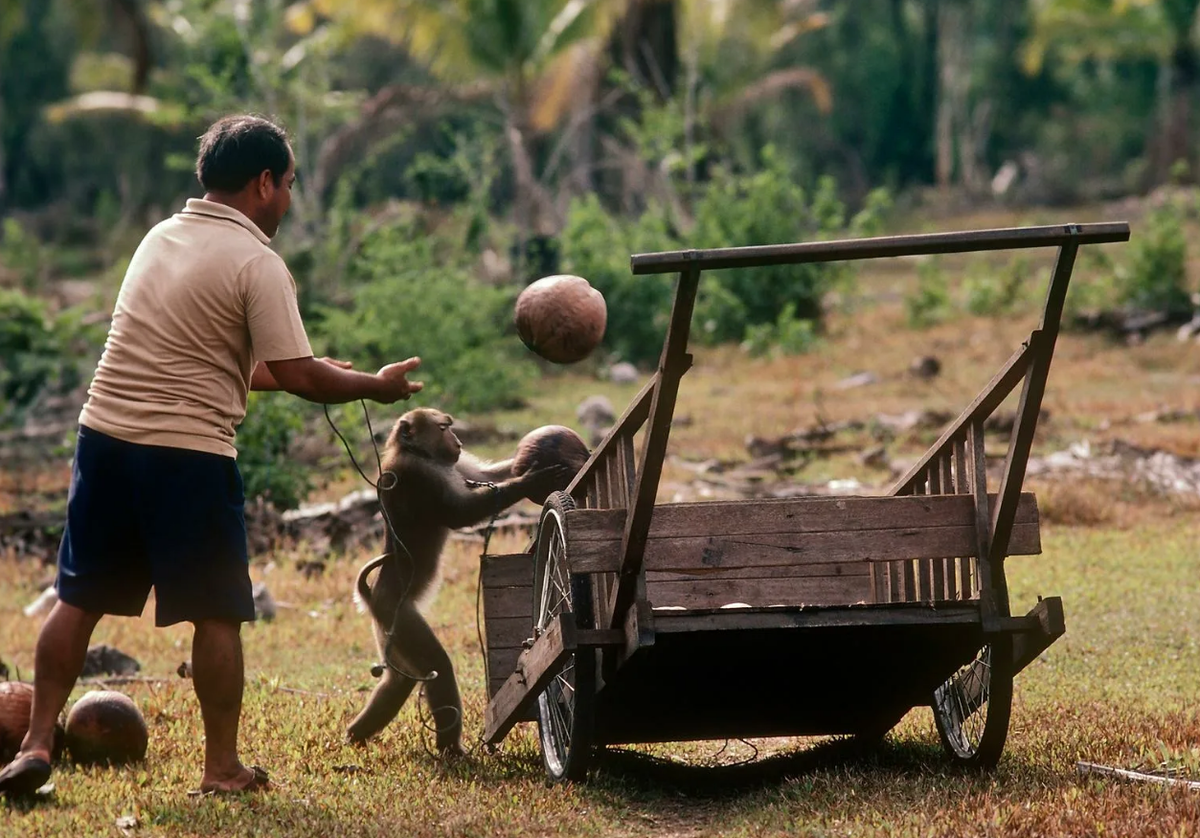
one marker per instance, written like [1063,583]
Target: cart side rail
[795,551]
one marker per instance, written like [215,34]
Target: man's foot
[25,775]
[248,780]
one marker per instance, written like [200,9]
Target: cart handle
[971,241]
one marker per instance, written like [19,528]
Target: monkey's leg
[386,700]
[418,646]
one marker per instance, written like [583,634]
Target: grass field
[1120,688]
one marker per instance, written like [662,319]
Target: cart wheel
[565,707]
[972,708]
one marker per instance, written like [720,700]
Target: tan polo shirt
[203,301]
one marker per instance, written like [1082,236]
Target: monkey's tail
[362,591]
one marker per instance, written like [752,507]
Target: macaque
[428,486]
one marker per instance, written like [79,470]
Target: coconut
[16,698]
[549,445]
[106,726]
[561,318]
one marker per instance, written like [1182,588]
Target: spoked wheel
[971,710]
[565,708]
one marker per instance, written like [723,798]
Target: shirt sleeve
[272,313]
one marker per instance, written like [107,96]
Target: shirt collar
[212,209]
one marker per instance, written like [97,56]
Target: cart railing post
[673,363]
[1030,406]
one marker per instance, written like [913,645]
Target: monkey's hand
[394,383]
[542,481]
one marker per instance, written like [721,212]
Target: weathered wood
[1051,625]
[992,395]
[790,515]
[628,467]
[672,365]
[638,628]
[508,632]
[978,467]
[797,549]
[813,569]
[625,427]
[1028,408]
[972,241]
[739,619]
[1084,768]
[715,593]
[507,570]
[508,602]
[535,668]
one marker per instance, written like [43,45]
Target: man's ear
[265,180]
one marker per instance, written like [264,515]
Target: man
[207,311]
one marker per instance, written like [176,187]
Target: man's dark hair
[237,149]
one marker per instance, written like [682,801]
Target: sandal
[258,782]
[24,775]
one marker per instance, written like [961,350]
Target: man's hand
[394,383]
[345,365]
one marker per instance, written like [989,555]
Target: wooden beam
[798,554]
[536,667]
[972,241]
[1048,624]
[789,515]
[993,393]
[625,427]
[672,365]
[1030,405]
[892,614]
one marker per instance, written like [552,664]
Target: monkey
[428,486]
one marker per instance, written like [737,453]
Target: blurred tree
[1080,31]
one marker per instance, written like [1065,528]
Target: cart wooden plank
[793,515]
[534,669]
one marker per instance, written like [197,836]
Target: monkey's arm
[458,505]
[481,471]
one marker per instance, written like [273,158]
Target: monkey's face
[428,432]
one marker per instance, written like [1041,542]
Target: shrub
[264,441]
[416,296]
[42,354]
[930,303]
[597,246]
[788,335]
[991,292]
[1155,277]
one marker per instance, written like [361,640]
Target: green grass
[1119,689]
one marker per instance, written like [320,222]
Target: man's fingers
[415,386]
[410,363]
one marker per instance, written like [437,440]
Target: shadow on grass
[635,773]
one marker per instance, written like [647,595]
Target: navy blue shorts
[146,515]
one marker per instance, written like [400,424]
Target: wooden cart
[850,611]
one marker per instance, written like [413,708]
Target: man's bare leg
[217,673]
[61,648]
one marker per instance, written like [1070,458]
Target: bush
[264,441]
[788,335]
[416,296]
[732,210]
[597,246]
[1155,277]
[42,354]
[930,303]
[992,293]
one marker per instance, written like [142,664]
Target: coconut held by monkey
[549,445]
[561,318]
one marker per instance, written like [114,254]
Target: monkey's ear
[406,428]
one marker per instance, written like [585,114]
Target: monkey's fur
[435,488]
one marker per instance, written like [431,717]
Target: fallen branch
[1085,768]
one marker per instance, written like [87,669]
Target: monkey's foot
[452,751]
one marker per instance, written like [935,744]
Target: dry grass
[1120,688]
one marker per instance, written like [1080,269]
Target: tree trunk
[1183,73]
[646,44]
